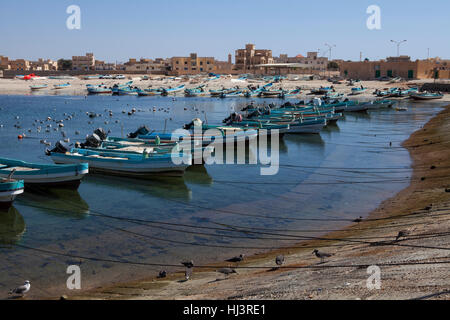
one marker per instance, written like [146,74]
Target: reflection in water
[198,175]
[160,187]
[12,226]
[64,203]
[311,139]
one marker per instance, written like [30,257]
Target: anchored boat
[9,190]
[44,175]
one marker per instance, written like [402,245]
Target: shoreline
[408,266]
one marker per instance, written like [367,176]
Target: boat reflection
[57,202]
[198,175]
[311,139]
[159,187]
[12,226]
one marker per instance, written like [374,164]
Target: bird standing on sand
[22,290]
[321,255]
[237,258]
[188,272]
[401,234]
[226,271]
[279,260]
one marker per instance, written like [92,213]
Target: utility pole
[330,46]
[398,45]
[428,56]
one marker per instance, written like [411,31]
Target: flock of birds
[49,124]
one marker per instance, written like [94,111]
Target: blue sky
[116,30]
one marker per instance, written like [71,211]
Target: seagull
[188,264]
[162,274]
[22,290]
[237,258]
[279,260]
[321,255]
[401,234]
[226,271]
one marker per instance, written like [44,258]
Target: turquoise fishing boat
[9,190]
[44,175]
[38,87]
[426,96]
[62,86]
[147,164]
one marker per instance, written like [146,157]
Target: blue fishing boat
[44,175]
[142,165]
[427,96]
[100,89]
[62,86]
[9,190]
[356,91]
[38,87]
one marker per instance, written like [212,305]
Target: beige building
[191,65]
[86,62]
[248,58]
[4,63]
[157,66]
[396,67]
[44,65]
[104,66]
[19,65]
[313,63]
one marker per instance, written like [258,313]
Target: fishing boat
[195,92]
[142,165]
[356,91]
[100,89]
[9,190]
[322,90]
[139,146]
[426,96]
[167,91]
[38,87]
[61,86]
[44,175]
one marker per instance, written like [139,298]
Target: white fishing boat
[9,190]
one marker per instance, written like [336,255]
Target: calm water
[325,179]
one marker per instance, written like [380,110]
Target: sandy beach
[415,266]
[78,86]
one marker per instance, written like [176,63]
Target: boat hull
[45,175]
[124,168]
[8,193]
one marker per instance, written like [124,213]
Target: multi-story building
[313,63]
[86,62]
[248,58]
[4,63]
[157,66]
[104,66]
[44,65]
[19,65]
[191,65]
[396,67]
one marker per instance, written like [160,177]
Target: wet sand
[413,267]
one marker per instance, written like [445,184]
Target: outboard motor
[194,123]
[60,147]
[139,132]
[92,141]
[101,133]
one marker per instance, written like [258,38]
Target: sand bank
[414,267]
